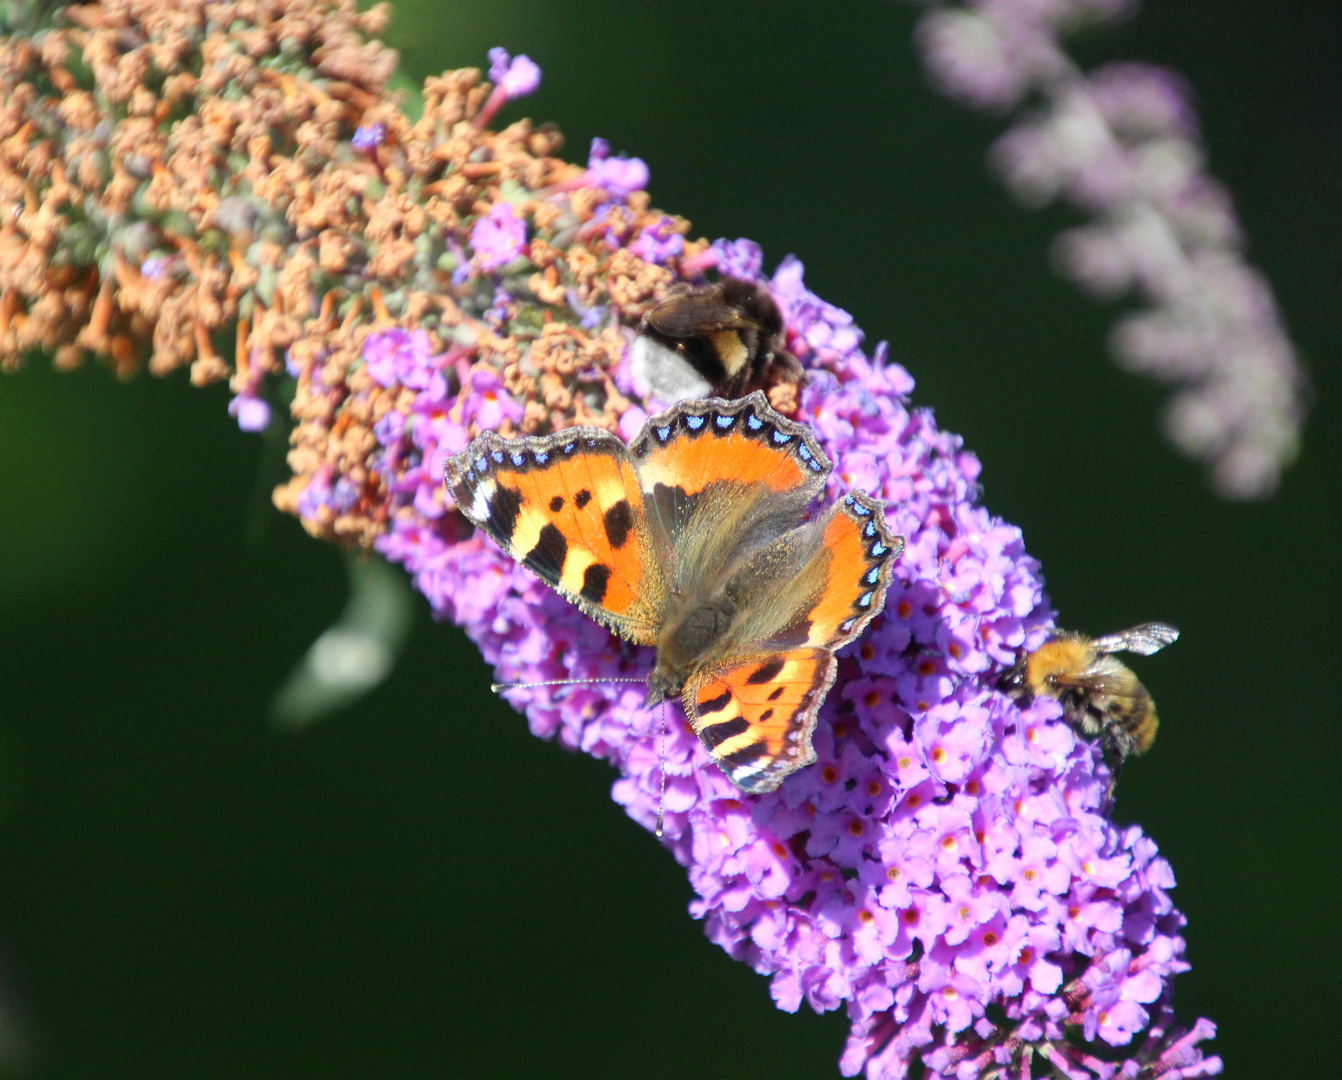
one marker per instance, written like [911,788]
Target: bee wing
[690,315]
[1143,640]
[1101,682]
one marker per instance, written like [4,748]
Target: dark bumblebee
[724,340]
[1099,695]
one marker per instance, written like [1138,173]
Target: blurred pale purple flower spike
[949,852]
[1122,143]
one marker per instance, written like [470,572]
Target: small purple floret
[740,258]
[515,76]
[251,412]
[658,242]
[498,237]
[369,137]
[619,176]
[155,267]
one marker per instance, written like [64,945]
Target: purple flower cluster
[946,871]
[949,851]
[1122,144]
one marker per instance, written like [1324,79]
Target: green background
[417,887]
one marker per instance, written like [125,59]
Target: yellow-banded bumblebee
[1099,695]
[724,340]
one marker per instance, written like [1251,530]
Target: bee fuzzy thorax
[1068,653]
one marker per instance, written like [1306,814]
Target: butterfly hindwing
[860,555]
[568,507]
[756,717]
[756,712]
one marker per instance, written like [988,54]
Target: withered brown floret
[178,189]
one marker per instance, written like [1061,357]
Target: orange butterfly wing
[756,715]
[860,553]
[756,719]
[568,507]
[698,442]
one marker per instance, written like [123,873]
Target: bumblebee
[1100,696]
[721,341]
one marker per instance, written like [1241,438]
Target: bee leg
[1115,767]
[1114,742]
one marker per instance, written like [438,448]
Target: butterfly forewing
[756,718]
[700,442]
[568,507]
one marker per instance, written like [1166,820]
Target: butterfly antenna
[496,687]
[661,761]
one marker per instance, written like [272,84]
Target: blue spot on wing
[694,423]
[724,422]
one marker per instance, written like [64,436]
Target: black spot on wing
[716,734]
[556,504]
[547,557]
[766,672]
[504,506]
[582,498]
[619,520]
[594,581]
[765,715]
[777,693]
[712,705]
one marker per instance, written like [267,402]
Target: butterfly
[695,538]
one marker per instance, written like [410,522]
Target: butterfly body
[695,538]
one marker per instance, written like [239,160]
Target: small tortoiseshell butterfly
[694,538]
